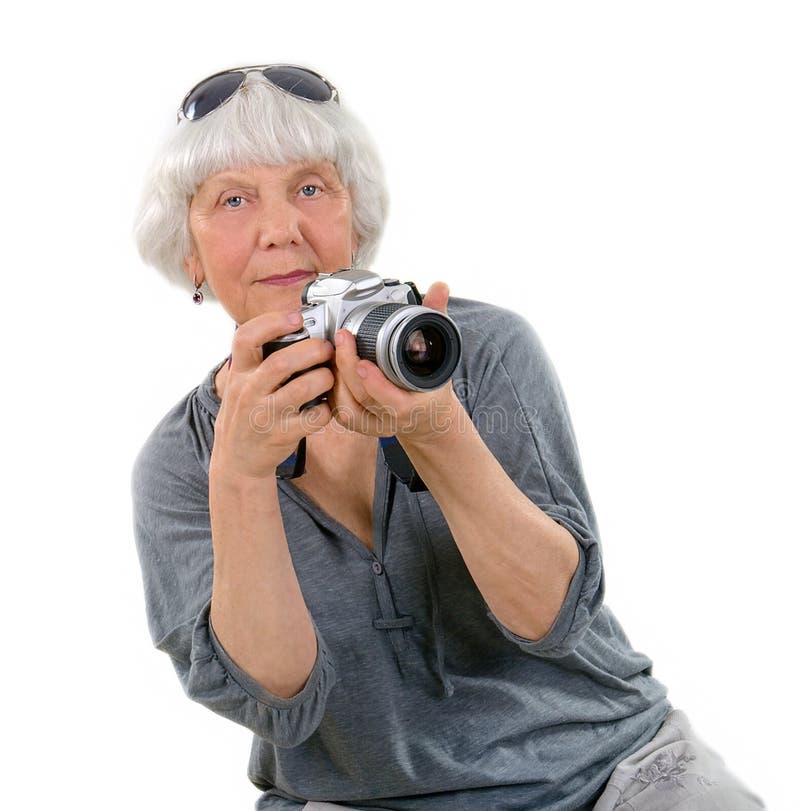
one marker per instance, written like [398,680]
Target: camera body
[416,347]
[330,301]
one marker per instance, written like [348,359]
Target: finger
[246,353]
[346,360]
[366,382]
[344,408]
[437,296]
[288,427]
[278,413]
[315,418]
[378,389]
[310,421]
[352,406]
[291,360]
[302,389]
[348,412]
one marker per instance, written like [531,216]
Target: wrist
[222,473]
[445,418]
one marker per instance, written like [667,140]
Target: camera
[416,347]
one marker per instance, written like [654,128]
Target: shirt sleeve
[172,530]
[519,408]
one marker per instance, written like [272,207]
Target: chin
[274,303]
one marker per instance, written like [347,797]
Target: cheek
[223,251]
[234,254]
[344,230]
[338,246]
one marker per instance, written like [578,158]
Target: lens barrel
[416,347]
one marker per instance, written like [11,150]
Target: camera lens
[415,347]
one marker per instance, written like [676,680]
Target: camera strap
[295,465]
[400,465]
[394,456]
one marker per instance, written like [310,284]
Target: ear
[194,269]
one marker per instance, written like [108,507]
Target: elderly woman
[390,646]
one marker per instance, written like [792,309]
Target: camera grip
[295,465]
[271,347]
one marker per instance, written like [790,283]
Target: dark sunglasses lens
[210,94]
[299,82]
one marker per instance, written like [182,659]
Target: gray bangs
[259,125]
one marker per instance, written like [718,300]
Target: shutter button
[377,568]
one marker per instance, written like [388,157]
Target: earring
[197,298]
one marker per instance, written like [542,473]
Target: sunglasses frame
[257,69]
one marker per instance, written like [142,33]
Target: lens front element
[423,351]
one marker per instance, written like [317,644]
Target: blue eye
[234,202]
[309,190]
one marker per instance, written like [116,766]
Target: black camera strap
[394,456]
[400,465]
[295,465]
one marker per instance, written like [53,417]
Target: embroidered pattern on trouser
[675,770]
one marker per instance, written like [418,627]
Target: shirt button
[377,568]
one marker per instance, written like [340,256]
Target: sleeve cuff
[584,597]
[562,623]
[216,681]
[258,691]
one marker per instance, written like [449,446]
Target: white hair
[259,125]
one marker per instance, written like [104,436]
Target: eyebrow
[241,178]
[303,167]
[232,177]
[320,167]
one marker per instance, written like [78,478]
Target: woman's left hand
[363,399]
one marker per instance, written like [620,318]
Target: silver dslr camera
[416,347]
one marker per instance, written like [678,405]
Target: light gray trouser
[675,771]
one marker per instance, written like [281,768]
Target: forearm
[521,560]
[257,609]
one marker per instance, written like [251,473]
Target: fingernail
[296,319]
[361,371]
[339,338]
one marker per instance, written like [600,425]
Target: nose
[279,225]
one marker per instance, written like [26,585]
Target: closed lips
[295,275]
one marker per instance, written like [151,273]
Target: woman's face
[261,234]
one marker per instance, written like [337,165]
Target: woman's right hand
[259,422]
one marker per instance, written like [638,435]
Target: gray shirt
[419,696]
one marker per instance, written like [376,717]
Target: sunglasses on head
[213,92]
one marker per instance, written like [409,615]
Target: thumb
[437,296]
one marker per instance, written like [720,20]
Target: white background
[625,174]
